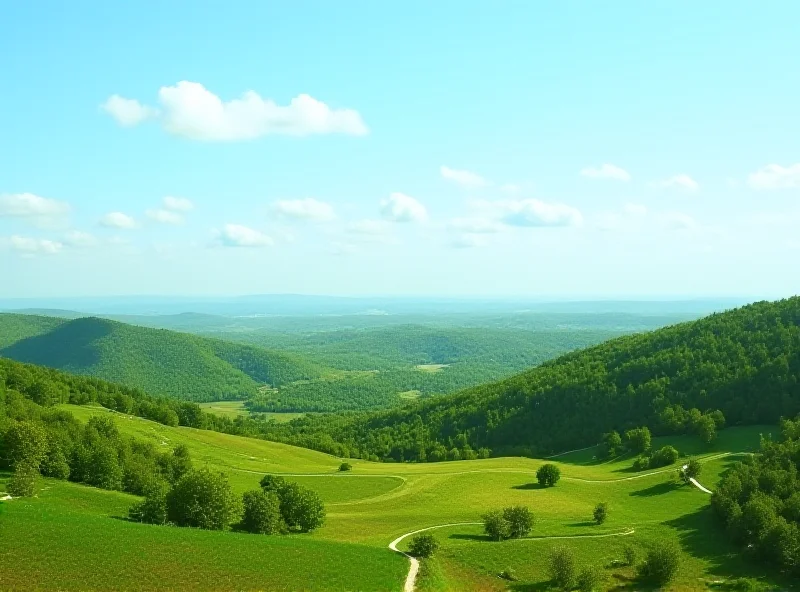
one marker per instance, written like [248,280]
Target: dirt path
[413,569]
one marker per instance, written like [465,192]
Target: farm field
[375,503]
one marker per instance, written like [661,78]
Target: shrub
[26,443]
[638,440]
[302,509]
[642,463]
[520,521]
[23,482]
[423,545]
[548,475]
[345,466]
[262,512]
[629,551]
[692,470]
[496,526]
[203,499]
[272,482]
[55,464]
[508,574]
[153,508]
[661,563]
[664,457]
[562,567]
[589,579]
[601,512]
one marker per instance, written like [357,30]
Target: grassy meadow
[70,527]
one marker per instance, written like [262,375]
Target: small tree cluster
[423,545]
[661,563]
[610,445]
[662,457]
[567,575]
[509,523]
[548,475]
[301,508]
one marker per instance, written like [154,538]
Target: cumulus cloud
[468,241]
[128,112]
[164,216]
[118,220]
[476,225]
[606,171]
[466,179]
[236,235]
[537,213]
[78,239]
[775,176]
[399,207]
[28,205]
[177,204]
[34,246]
[682,182]
[305,209]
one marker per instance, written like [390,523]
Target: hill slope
[158,361]
[745,362]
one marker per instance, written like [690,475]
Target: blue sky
[576,149]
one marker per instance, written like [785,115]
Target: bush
[629,551]
[661,563]
[202,499]
[589,579]
[638,440]
[520,521]
[272,483]
[601,512]
[496,526]
[153,508]
[548,475]
[262,512]
[562,567]
[55,464]
[345,466]
[664,457]
[692,470]
[23,482]
[642,463]
[302,509]
[423,545]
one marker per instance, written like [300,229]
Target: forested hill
[745,362]
[158,361]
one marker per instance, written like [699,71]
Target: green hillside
[158,361]
[744,362]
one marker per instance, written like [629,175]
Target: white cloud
[606,171]
[192,111]
[177,204]
[775,176]
[534,213]
[76,238]
[477,225]
[164,216]
[235,235]
[34,246]
[469,241]
[682,182]
[118,220]
[28,205]
[368,227]
[305,209]
[466,179]
[399,207]
[128,112]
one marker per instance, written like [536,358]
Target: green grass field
[369,507]
[234,409]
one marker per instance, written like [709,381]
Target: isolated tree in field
[638,440]
[262,512]
[26,442]
[23,482]
[664,456]
[692,470]
[548,475]
[601,512]
[345,466]
[423,545]
[661,563]
[562,567]
[302,509]
[203,499]
[496,526]
[520,521]
[589,579]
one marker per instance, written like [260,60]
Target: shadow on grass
[528,486]
[583,524]
[538,587]
[657,489]
[471,537]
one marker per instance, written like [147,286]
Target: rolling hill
[160,362]
[744,362]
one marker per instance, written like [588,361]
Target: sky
[470,148]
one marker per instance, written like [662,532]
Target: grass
[375,503]
[234,409]
[431,367]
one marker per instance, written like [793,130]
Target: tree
[272,482]
[302,509]
[345,466]
[661,563]
[55,463]
[691,470]
[664,457]
[562,567]
[26,442]
[548,475]
[610,445]
[638,440]
[520,521]
[423,545]
[262,512]
[601,512]
[23,482]
[203,499]
[496,526]
[629,551]
[153,508]
[589,579]
[706,428]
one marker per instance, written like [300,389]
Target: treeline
[744,363]
[758,501]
